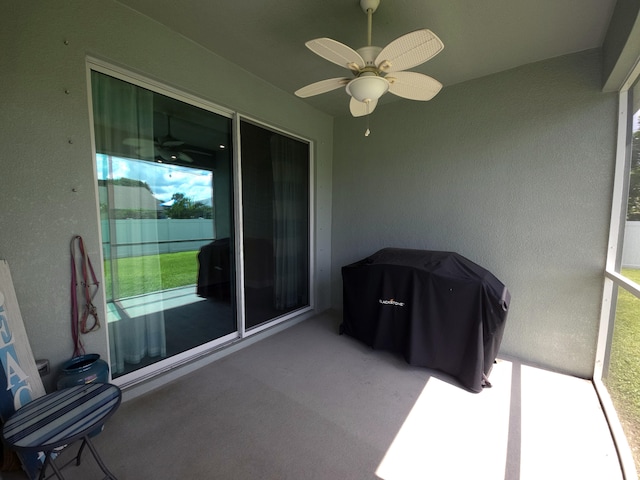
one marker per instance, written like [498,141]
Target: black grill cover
[438,309]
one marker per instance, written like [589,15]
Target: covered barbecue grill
[438,309]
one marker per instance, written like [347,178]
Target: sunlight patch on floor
[453,434]
[156,302]
[532,424]
[564,431]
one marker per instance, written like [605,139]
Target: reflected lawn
[153,273]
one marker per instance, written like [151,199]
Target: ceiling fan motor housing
[369,55]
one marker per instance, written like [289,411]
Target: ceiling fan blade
[360,109]
[322,86]
[197,151]
[336,52]
[184,157]
[169,155]
[170,142]
[138,142]
[412,85]
[409,50]
[146,151]
[162,154]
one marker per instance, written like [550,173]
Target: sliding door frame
[213,348]
[239,240]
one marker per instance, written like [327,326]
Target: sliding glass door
[164,171]
[182,248]
[275,218]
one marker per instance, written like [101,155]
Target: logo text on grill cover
[391,301]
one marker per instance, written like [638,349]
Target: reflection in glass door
[164,170]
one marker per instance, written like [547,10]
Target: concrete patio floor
[532,424]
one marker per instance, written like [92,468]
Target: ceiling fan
[166,148]
[378,70]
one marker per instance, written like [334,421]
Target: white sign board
[20,381]
[19,366]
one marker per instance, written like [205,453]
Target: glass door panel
[164,170]
[275,205]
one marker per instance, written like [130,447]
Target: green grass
[152,273]
[623,380]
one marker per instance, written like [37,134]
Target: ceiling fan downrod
[368,7]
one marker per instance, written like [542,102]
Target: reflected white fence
[137,237]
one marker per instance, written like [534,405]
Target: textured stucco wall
[45,143]
[513,171]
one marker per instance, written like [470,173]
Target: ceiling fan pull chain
[367,132]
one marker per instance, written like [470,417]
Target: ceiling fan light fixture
[367,88]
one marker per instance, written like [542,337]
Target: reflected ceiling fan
[166,148]
[378,70]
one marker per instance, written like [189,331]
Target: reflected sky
[164,179]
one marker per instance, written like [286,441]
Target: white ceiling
[481,37]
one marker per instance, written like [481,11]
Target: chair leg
[56,469]
[98,459]
[50,461]
[79,455]
[43,469]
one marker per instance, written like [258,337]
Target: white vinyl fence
[137,237]
[631,248]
